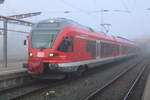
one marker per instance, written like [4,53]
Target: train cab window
[66,45]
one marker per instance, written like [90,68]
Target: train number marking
[40,54]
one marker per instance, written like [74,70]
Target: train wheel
[80,70]
[78,73]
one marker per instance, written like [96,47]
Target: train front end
[44,41]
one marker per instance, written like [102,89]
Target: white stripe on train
[90,63]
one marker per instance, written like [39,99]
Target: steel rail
[35,90]
[126,97]
[31,91]
[89,97]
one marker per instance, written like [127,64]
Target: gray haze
[130,25]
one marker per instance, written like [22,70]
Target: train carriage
[63,46]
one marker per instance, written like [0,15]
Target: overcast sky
[129,25]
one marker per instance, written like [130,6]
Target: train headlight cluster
[52,20]
[30,54]
[52,54]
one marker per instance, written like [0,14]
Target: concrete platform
[13,76]
[11,70]
[146,94]
[13,63]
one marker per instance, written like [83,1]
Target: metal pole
[5,43]
[101,20]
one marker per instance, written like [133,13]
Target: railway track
[96,95]
[127,96]
[29,89]
[26,91]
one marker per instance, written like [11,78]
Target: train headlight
[30,54]
[51,20]
[51,55]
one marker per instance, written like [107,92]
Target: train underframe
[60,71]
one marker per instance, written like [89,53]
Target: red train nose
[35,68]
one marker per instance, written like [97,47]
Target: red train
[62,46]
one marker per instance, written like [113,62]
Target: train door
[70,46]
[98,48]
[120,50]
[80,47]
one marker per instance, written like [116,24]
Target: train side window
[106,49]
[66,45]
[88,45]
[91,47]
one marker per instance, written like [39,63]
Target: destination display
[48,25]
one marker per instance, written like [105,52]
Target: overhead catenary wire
[134,4]
[73,6]
[124,5]
[89,13]
[94,2]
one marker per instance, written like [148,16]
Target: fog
[17,52]
[129,25]
[143,42]
[133,25]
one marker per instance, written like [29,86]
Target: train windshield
[43,39]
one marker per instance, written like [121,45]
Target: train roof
[106,37]
[64,22]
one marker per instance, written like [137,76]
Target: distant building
[143,41]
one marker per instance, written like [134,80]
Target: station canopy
[1,1]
